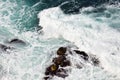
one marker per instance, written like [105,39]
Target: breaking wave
[94,30]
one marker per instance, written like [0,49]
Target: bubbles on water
[29,62]
[108,14]
[17,14]
[26,76]
[91,32]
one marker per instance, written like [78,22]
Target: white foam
[88,34]
[29,63]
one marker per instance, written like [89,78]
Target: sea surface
[92,26]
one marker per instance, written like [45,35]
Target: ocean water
[92,26]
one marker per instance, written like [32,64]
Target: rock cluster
[59,63]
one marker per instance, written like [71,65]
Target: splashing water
[94,30]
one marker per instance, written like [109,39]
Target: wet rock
[82,54]
[54,69]
[61,73]
[59,60]
[17,41]
[61,51]
[51,70]
[46,78]
[39,28]
[65,63]
[4,47]
[62,61]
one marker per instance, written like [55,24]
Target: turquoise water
[23,13]
[92,26]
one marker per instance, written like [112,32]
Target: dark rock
[54,69]
[39,28]
[17,41]
[83,54]
[65,63]
[59,60]
[51,70]
[61,51]
[46,78]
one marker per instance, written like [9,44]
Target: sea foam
[90,35]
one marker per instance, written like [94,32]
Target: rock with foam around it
[61,51]
[16,41]
[82,54]
[59,60]
[51,70]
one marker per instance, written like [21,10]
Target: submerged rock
[82,54]
[70,7]
[61,51]
[79,66]
[95,61]
[47,78]
[4,47]
[61,73]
